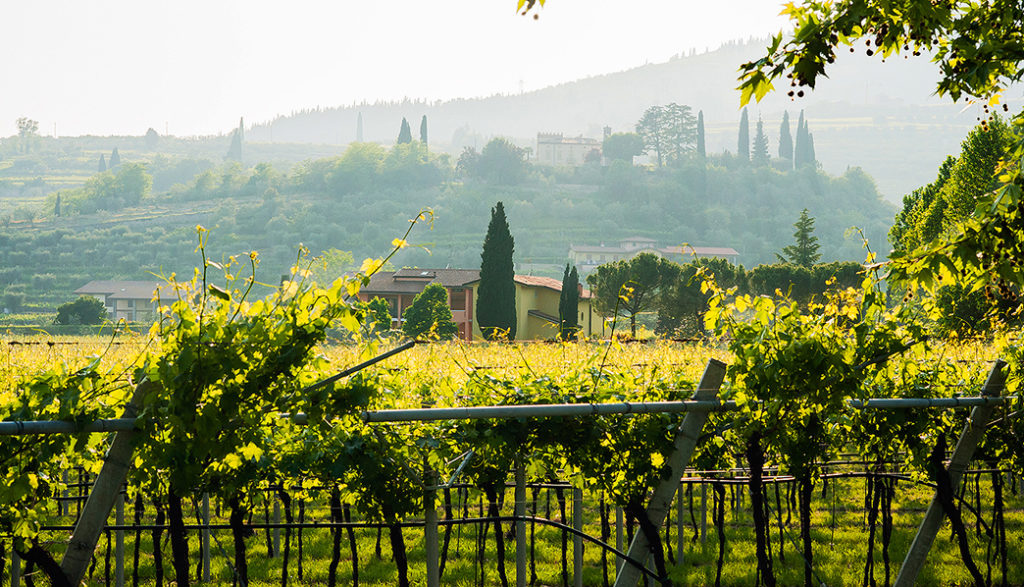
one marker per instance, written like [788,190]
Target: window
[457,299]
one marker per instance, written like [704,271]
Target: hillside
[880,117]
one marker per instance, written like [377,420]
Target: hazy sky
[121,66]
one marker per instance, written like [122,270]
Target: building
[558,151]
[588,257]
[131,301]
[536,300]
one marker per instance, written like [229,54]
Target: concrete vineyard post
[965,446]
[431,547]
[206,537]
[520,513]
[119,548]
[577,540]
[685,442]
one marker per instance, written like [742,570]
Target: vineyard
[238,442]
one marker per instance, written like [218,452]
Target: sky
[193,67]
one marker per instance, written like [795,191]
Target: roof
[543,316]
[412,280]
[548,282]
[131,290]
[703,251]
[637,239]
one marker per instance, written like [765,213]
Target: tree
[760,154]
[405,132]
[151,139]
[632,286]
[237,137]
[684,302]
[805,251]
[501,162]
[466,166]
[28,132]
[115,159]
[569,304]
[378,315]
[701,148]
[622,146]
[103,163]
[423,130]
[496,296]
[56,205]
[359,128]
[669,131]
[429,315]
[743,140]
[785,140]
[84,310]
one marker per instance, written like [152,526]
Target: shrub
[429,315]
[84,310]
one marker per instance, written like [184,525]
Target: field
[455,375]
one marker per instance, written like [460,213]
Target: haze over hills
[882,117]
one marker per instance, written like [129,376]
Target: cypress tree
[569,304]
[496,296]
[785,139]
[405,133]
[103,163]
[359,128]
[56,206]
[115,159]
[423,130]
[812,159]
[701,149]
[760,154]
[743,144]
[800,149]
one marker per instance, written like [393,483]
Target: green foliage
[804,252]
[669,131]
[684,302]
[569,304]
[84,310]
[622,146]
[378,315]
[743,140]
[760,154]
[701,147]
[500,162]
[785,138]
[423,131]
[404,133]
[496,296]
[631,286]
[115,158]
[429,315]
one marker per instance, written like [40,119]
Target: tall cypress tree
[359,128]
[701,149]
[423,130]
[800,149]
[743,143]
[785,139]
[569,304]
[115,159]
[496,296]
[103,163]
[760,154]
[812,159]
[405,133]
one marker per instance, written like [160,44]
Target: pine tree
[760,154]
[743,144]
[405,133]
[701,149]
[115,159]
[359,128]
[785,140]
[496,296]
[423,130]
[103,163]
[805,251]
[569,304]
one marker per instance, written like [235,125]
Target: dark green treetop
[429,315]
[405,132]
[569,304]
[805,251]
[496,296]
[743,140]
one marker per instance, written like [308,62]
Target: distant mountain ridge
[881,117]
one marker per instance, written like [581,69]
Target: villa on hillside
[536,300]
[124,300]
[588,257]
[558,151]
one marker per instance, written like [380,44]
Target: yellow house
[537,309]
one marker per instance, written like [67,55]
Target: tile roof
[133,290]
[413,279]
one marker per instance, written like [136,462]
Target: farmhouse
[558,151]
[588,257]
[125,300]
[536,300]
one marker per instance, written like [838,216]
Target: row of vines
[215,379]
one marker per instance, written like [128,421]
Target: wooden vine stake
[965,446]
[104,494]
[685,442]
